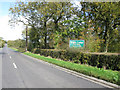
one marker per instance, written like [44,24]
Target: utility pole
[26,39]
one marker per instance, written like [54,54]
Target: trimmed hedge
[107,61]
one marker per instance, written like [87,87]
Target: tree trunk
[45,41]
[104,67]
[45,34]
[106,49]
[106,37]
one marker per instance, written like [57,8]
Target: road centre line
[10,57]
[14,65]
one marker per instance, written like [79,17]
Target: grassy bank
[108,75]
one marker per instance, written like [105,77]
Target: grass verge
[14,49]
[107,75]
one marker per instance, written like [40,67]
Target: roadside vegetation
[2,42]
[50,26]
[100,73]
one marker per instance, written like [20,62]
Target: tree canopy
[53,24]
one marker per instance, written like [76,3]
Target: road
[0,68]
[20,71]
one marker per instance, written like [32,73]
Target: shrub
[100,61]
[21,49]
[36,50]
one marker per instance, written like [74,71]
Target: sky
[7,32]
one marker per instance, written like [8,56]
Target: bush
[36,50]
[100,61]
[21,49]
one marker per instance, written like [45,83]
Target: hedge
[107,61]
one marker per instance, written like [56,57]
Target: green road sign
[76,43]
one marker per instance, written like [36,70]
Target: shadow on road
[15,51]
[2,53]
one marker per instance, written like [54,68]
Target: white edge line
[14,65]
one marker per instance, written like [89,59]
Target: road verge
[107,75]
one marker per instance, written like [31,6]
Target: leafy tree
[19,43]
[53,24]
[105,16]
[2,42]
[25,13]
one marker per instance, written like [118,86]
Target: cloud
[9,33]
[76,3]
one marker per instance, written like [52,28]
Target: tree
[61,11]
[2,42]
[25,13]
[105,16]
[19,43]
[41,15]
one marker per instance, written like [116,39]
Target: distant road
[20,71]
[0,68]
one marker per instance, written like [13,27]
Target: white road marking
[14,65]
[10,57]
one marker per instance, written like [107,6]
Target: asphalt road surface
[20,71]
[0,68]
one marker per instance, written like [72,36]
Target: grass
[14,49]
[107,75]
